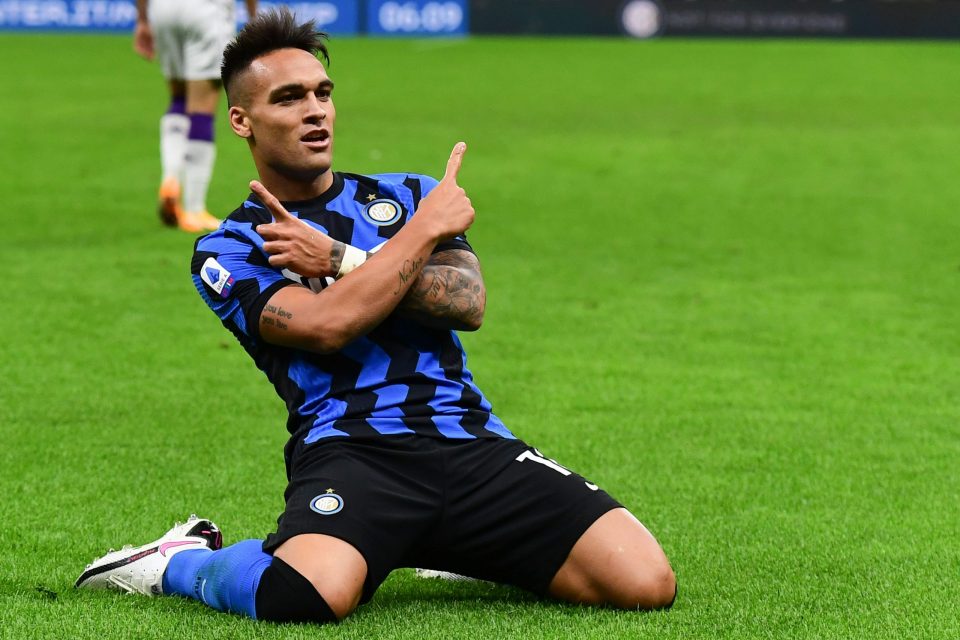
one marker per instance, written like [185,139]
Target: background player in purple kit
[188,37]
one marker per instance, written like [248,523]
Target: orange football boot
[198,221]
[169,202]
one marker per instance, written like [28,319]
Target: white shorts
[189,36]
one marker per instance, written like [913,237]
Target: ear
[240,121]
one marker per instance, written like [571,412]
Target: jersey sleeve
[232,275]
[428,184]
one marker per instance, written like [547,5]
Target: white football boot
[444,575]
[140,569]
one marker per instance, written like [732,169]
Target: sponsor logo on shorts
[327,504]
[382,212]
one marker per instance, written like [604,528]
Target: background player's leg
[334,567]
[174,127]
[616,562]
[201,104]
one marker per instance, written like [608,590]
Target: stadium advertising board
[47,15]
[405,18]
[334,16]
[341,17]
[739,18]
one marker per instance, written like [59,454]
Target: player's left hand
[292,243]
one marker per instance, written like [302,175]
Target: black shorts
[492,509]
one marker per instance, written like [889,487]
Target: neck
[288,188]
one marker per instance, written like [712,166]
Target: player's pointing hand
[455,162]
[447,210]
[273,205]
[292,243]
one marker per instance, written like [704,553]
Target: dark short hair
[267,32]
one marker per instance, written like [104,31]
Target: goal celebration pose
[347,290]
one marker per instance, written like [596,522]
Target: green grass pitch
[723,284]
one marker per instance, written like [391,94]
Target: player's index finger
[455,161]
[270,200]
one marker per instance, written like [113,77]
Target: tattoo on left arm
[449,293]
[275,317]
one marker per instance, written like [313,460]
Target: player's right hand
[447,209]
[143,40]
[292,243]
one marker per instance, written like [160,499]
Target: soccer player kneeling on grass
[347,290]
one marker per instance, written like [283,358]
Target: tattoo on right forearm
[410,269]
[336,255]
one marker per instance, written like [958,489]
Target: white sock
[174,128]
[198,168]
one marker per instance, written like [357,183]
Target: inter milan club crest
[382,212]
[327,504]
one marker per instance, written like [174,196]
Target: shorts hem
[541,585]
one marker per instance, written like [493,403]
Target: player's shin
[198,163]
[225,580]
[174,128]
[243,579]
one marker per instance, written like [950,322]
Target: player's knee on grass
[655,588]
[647,583]
[643,586]
[617,563]
[284,595]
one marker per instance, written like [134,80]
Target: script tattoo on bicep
[275,316]
[449,288]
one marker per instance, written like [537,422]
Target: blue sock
[226,580]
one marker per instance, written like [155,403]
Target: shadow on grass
[445,591]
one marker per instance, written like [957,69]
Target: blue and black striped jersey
[400,378]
